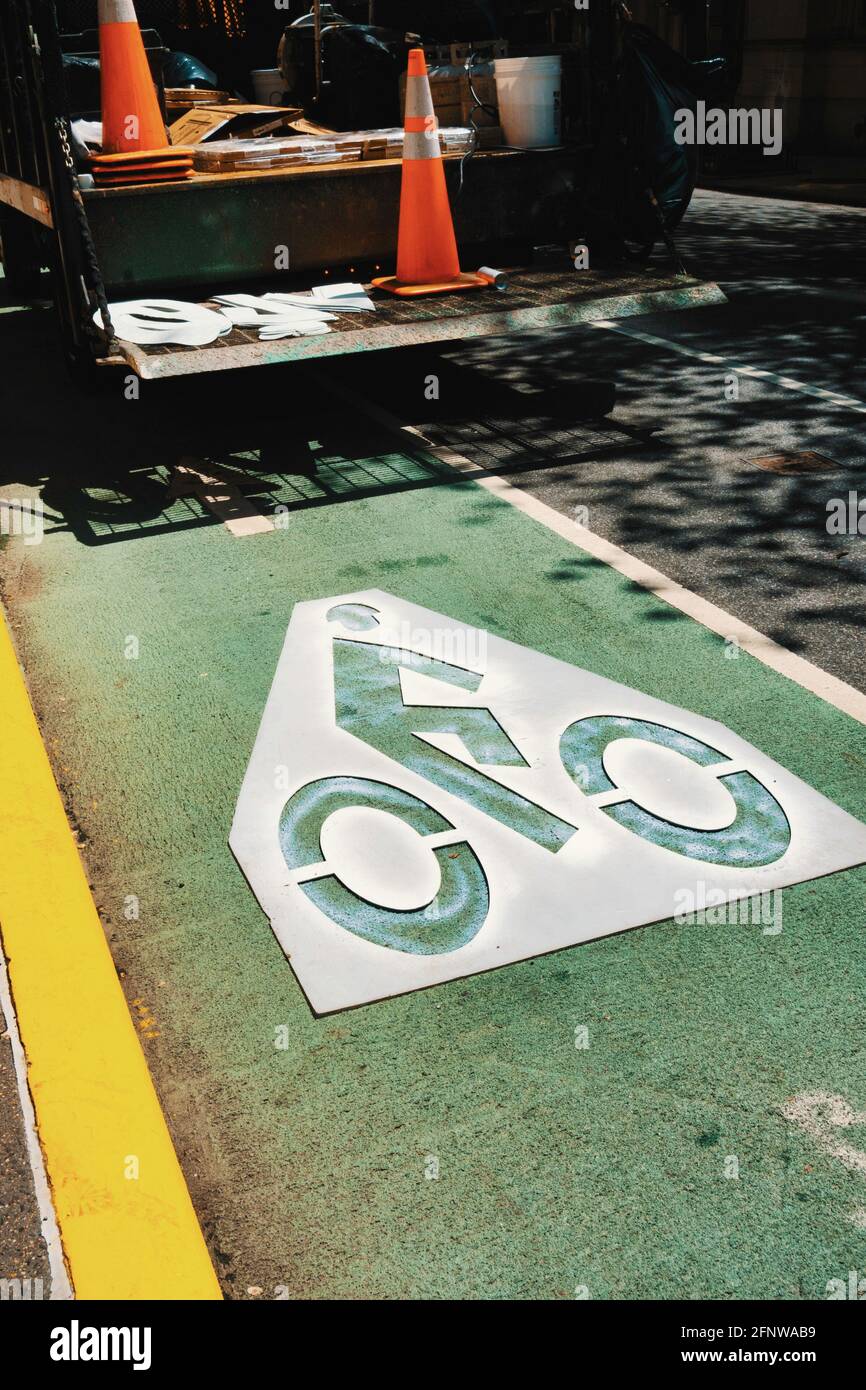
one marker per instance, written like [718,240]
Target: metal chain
[61,125]
[65,145]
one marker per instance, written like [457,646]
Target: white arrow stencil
[426,801]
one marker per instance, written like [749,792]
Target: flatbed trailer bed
[536,299]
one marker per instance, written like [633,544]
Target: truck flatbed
[538,298]
[296,227]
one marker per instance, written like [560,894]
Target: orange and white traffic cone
[427,259]
[135,146]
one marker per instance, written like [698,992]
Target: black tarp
[642,180]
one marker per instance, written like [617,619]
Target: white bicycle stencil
[425,801]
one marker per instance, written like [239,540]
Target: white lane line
[795,668]
[714,360]
[60,1285]
[813,205]
[223,499]
[757,644]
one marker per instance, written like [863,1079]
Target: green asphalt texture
[563,1172]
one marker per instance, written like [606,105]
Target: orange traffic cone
[427,260]
[134,141]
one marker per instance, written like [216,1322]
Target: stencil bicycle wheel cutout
[453,915]
[759,833]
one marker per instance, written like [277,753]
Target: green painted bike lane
[559,1168]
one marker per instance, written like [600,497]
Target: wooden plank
[26,198]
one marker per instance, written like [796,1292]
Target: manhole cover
[808,462]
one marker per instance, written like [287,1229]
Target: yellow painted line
[99,1120]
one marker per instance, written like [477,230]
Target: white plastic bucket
[268,86]
[529,92]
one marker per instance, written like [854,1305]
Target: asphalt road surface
[671,475]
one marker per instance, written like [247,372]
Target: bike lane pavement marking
[367,1093]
